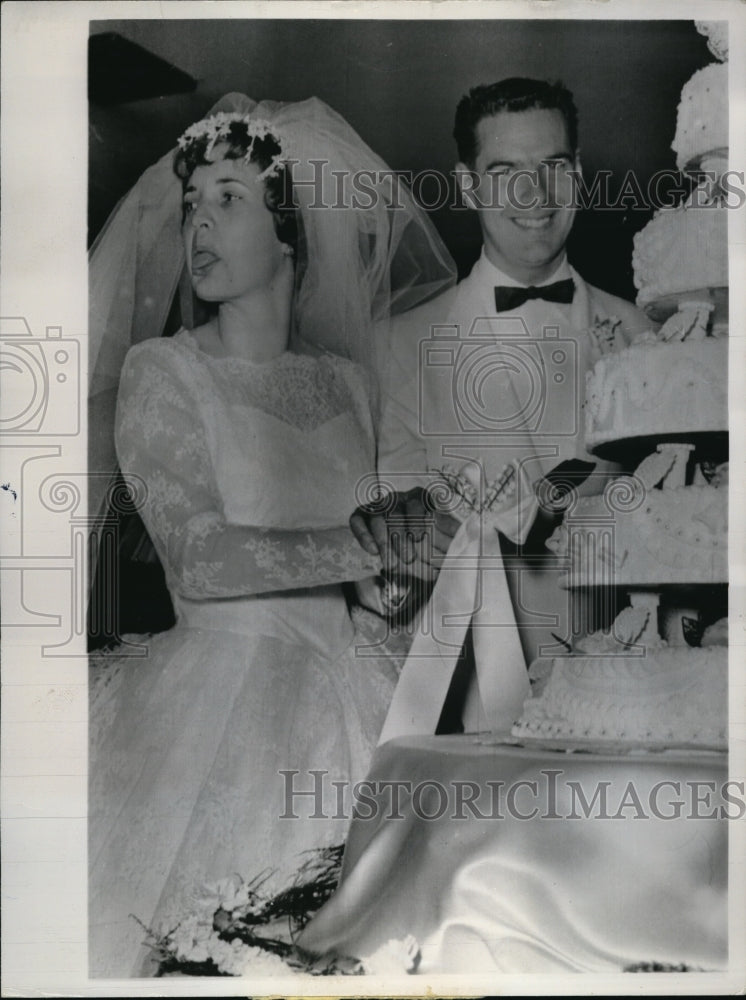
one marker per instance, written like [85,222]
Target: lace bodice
[250,469]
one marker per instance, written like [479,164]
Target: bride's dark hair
[262,152]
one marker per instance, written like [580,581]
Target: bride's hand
[410,537]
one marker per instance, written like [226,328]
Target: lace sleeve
[160,438]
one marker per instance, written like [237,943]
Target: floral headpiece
[217,129]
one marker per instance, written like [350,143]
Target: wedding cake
[650,529]
[684,248]
[669,698]
[674,381]
[657,388]
[702,115]
[658,676]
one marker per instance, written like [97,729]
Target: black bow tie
[511,297]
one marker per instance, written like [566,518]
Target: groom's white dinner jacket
[516,393]
[449,358]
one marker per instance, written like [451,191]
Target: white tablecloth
[582,885]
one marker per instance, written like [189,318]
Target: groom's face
[522,187]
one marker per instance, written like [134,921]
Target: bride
[251,434]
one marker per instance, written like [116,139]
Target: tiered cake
[658,677]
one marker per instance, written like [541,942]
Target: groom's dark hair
[514,94]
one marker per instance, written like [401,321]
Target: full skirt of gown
[187,776]
[202,751]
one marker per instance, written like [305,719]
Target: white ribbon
[472,587]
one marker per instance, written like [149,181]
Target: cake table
[500,858]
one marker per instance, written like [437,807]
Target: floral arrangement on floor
[239,929]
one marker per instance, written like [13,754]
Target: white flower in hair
[217,128]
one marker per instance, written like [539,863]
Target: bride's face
[229,236]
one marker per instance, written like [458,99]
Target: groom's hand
[409,535]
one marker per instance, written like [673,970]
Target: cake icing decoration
[716,33]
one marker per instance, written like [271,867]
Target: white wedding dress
[251,473]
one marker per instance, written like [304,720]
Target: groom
[494,371]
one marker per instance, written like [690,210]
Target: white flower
[217,127]
[232,892]
[393,958]
[230,957]
[238,959]
[190,939]
[263,963]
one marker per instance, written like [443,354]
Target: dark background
[397,83]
